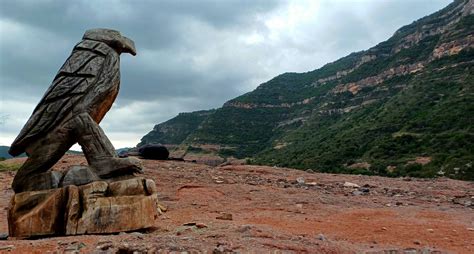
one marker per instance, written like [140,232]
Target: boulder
[123,154]
[44,181]
[78,175]
[153,152]
[95,208]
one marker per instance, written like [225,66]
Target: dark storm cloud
[156,26]
[152,23]
[192,55]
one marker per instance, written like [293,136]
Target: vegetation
[4,152]
[9,166]
[175,130]
[395,117]
[249,129]
[432,117]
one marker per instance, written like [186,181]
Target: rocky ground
[239,208]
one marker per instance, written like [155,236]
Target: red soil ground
[274,212]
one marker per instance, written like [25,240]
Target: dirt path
[276,209]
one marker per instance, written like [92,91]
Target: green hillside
[174,131]
[402,107]
[4,153]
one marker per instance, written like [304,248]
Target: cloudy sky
[192,55]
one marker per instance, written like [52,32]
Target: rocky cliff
[376,111]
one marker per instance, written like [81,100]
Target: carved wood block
[96,208]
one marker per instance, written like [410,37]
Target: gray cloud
[191,54]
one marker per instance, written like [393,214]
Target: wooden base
[96,208]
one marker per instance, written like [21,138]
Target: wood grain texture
[96,208]
[80,95]
[84,80]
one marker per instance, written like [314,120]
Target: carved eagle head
[112,38]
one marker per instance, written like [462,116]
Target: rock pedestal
[95,208]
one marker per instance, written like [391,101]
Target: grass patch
[9,166]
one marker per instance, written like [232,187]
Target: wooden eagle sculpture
[80,95]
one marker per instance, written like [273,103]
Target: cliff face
[406,98]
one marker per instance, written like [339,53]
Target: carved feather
[91,71]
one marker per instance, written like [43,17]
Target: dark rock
[153,152]
[224,216]
[3,236]
[79,175]
[123,154]
[201,225]
[137,234]
[321,237]
[175,159]
[44,181]
[244,228]
[105,246]
[467,201]
[74,248]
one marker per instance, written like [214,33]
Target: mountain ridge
[376,111]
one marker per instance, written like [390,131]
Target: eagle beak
[128,46]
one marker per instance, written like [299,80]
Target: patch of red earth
[386,227]
[271,211]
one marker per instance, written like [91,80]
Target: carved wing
[76,77]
